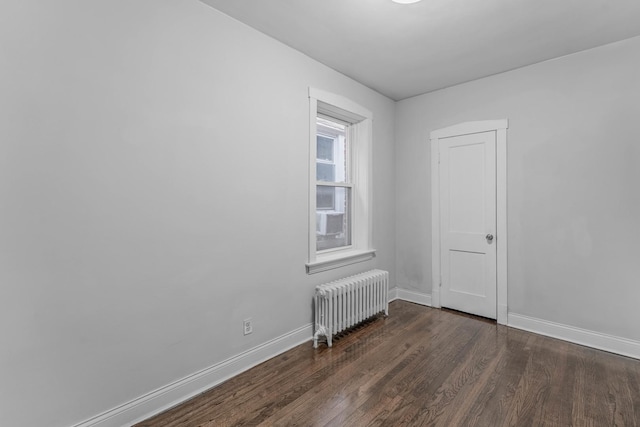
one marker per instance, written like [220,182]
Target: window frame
[359,136]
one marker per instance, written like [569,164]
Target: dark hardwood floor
[423,366]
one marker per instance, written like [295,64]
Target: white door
[468,223]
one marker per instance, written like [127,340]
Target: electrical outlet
[247,326]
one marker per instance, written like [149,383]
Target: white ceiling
[406,50]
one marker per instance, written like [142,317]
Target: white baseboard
[172,394]
[413,296]
[610,343]
[393,294]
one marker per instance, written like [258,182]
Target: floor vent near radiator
[343,303]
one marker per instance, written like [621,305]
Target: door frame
[500,128]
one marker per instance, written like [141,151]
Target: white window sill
[339,259]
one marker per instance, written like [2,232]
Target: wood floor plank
[632,374]
[482,373]
[588,409]
[422,366]
[618,392]
[435,366]
[555,407]
[491,406]
[363,376]
[396,369]
[457,390]
[533,389]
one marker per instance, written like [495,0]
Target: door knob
[489,237]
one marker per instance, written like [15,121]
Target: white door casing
[468,172]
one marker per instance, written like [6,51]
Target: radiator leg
[320,330]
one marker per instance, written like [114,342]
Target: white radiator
[346,302]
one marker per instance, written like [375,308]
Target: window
[340,165]
[333,187]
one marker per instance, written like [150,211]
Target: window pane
[325,197]
[324,148]
[332,149]
[333,226]
[325,172]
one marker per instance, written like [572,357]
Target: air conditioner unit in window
[329,223]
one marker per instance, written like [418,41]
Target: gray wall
[573,184]
[153,193]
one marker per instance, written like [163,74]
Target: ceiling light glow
[405,1]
